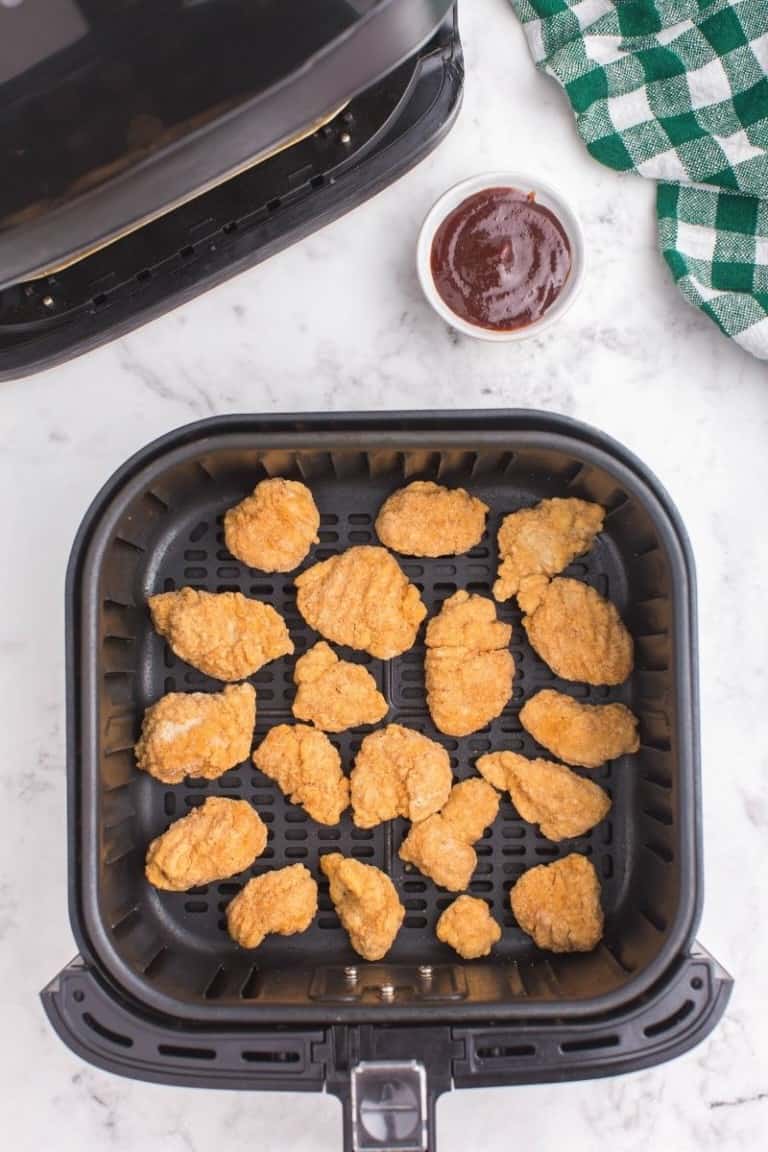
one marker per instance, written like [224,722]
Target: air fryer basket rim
[396,430]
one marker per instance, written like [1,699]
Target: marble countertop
[338,322]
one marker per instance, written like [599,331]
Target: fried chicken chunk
[559,905]
[543,540]
[562,803]
[398,772]
[426,519]
[282,902]
[275,527]
[307,768]
[366,902]
[441,846]
[199,734]
[213,842]
[468,927]
[575,631]
[362,599]
[223,634]
[334,694]
[468,667]
[584,734]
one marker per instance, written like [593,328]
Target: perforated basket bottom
[191,552]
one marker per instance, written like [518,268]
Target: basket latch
[388,1100]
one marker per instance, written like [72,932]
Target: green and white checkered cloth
[677,90]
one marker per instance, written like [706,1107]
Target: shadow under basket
[162,993]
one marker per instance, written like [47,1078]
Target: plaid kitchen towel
[677,90]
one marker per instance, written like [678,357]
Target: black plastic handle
[387,1078]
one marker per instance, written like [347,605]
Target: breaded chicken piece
[584,734]
[215,841]
[433,847]
[562,803]
[362,599]
[543,540]
[282,902]
[468,667]
[575,631]
[441,846]
[275,527]
[426,519]
[334,694]
[366,902]
[307,768]
[198,734]
[558,905]
[398,772]
[468,927]
[223,634]
[472,806]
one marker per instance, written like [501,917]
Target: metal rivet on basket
[387,992]
[425,971]
[48,302]
[345,138]
[351,973]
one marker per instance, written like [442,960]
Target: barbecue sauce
[500,260]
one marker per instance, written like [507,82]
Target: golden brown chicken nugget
[224,634]
[362,598]
[468,667]
[198,734]
[575,631]
[398,772]
[426,519]
[283,902]
[562,803]
[584,734]
[275,527]
[558,905]
[472,806]
[366,902]
[335,694]
[468,927]
[307,768]
[215,841]
[441,845]
[543,540]
[433,847]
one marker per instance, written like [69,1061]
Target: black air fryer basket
[161,993]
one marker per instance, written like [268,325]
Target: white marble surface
[338,323]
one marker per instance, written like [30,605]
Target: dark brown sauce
[500,260]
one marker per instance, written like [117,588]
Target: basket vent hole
[182,1052]
[107,1033]
[589,1044]
[671,1021]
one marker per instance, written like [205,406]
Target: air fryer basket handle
[388,1078]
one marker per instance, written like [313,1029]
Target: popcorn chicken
[197,734]
[223,634]
[468,927]
[398,772]
[275,527]
[469,670]
[559,905]
[562,803]
[584,734]
[366,902]
[215,841]
[426,519]
[335,694]
[362,599]
[283,902]
[307,768]
[543,540]
[575,631]
[441,846]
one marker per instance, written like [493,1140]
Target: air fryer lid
[111,113]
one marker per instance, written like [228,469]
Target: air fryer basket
[150,956]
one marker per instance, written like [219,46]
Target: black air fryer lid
[112,112]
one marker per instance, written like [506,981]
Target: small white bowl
[548,197]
